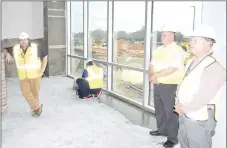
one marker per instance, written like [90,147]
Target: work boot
[98,94]
[33,113]
[156,133]
[40,110]
[169,144]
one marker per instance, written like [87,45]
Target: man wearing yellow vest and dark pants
[166,72]
[198,95]
[31,63]
[91,82]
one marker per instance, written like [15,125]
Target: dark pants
[167,119]
[85,89]
[196,134]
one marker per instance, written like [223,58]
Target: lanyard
[189,70]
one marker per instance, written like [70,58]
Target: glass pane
[128,83]
[77,37]
[183,21]
[98,30]
[129,33]
[76,67]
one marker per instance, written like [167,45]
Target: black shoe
[156,133]
[169,144]
[40,110]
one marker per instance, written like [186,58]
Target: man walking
[166,72]
[31,63]
[198,95]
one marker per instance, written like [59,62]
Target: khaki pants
[30,91]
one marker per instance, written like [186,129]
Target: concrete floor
[68,122]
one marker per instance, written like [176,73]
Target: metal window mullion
[109,44]
[85,29]
[68,37]
[148,5]
[153,46]
[113,46]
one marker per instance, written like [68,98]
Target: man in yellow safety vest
[198,95]
[91,82]
[166,72]
[31,63]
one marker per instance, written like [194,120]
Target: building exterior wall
[214,13]
[3,86]
[20,17]
[56,37]
[29,17]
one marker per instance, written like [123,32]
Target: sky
[130,16]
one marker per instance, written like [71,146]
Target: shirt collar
[29,45]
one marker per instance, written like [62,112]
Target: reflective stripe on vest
[28,64]
[189,87]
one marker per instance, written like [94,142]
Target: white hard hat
[169,28]
[89,60]
[204,31]
[23,36]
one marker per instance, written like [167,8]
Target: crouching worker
[91,82]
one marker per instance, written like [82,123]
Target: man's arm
[212,79]
[150,68]
[85,74]
[165,72]
[7,50]
[43,56]
[177,63]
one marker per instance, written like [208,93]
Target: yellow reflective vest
[95,77]
[190,85]
[165,55]
[28,63]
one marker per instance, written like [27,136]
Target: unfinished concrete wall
[20,17]
[56,37]
[45,24]
[3,86]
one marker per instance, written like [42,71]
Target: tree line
[139,35]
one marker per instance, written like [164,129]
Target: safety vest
[162,57]
[28,64]
[190,85]
[95,77]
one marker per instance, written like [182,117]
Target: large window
[180,15]
[128,83]
[129,33]
[98,30]
[77,66]
[125,40]
[77,35]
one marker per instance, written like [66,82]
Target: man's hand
[153,78]
[41,73]
[179,108]
[9,58]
